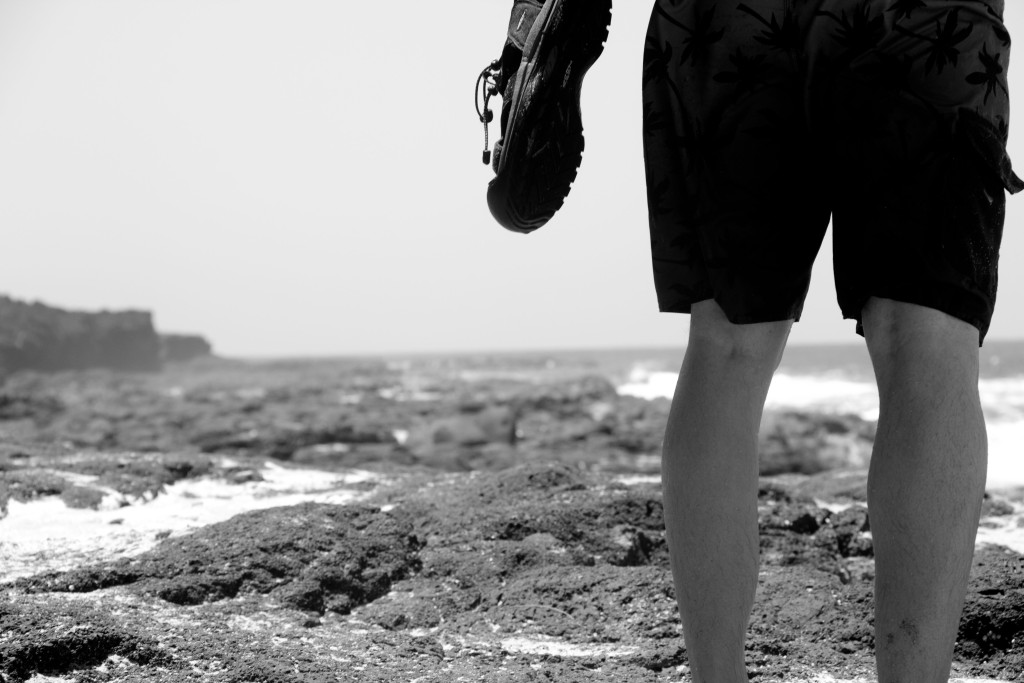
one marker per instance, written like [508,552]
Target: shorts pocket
[985,148]
[970,202]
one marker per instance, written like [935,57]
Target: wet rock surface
[314,557]
[501,525]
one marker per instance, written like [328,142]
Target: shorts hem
[736,318]
[938,302]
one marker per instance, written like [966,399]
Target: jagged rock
[450,442]
[570,395]
[82,497]
[808,443]
[20,405]
[992,625]
[37,638]
[322,557]
[28,485]
[839,485]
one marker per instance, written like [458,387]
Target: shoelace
[486,88]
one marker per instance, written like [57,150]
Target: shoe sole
[543,145]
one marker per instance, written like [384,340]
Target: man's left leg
[709,475]
[926,484]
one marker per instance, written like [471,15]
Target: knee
[900,329]
[714,337]
[907,338]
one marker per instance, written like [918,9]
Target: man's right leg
[709,477]
[925,486]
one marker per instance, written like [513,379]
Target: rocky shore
[433,520]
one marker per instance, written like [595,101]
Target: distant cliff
[182,347]
[34,336]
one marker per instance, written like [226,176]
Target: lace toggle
[486,88]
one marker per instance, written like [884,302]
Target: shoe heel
[591,28]
[527,195]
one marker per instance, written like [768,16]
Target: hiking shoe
[551,44]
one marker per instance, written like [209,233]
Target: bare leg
[926,484]
[709,477]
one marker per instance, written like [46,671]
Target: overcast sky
[303,177]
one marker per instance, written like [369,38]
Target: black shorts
[763,118]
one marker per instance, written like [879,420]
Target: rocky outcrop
[178,348]
[311,557]
[808,443]
[538,568]
[366,415]
[316,523]
[38,337]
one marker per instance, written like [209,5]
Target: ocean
[837,378]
